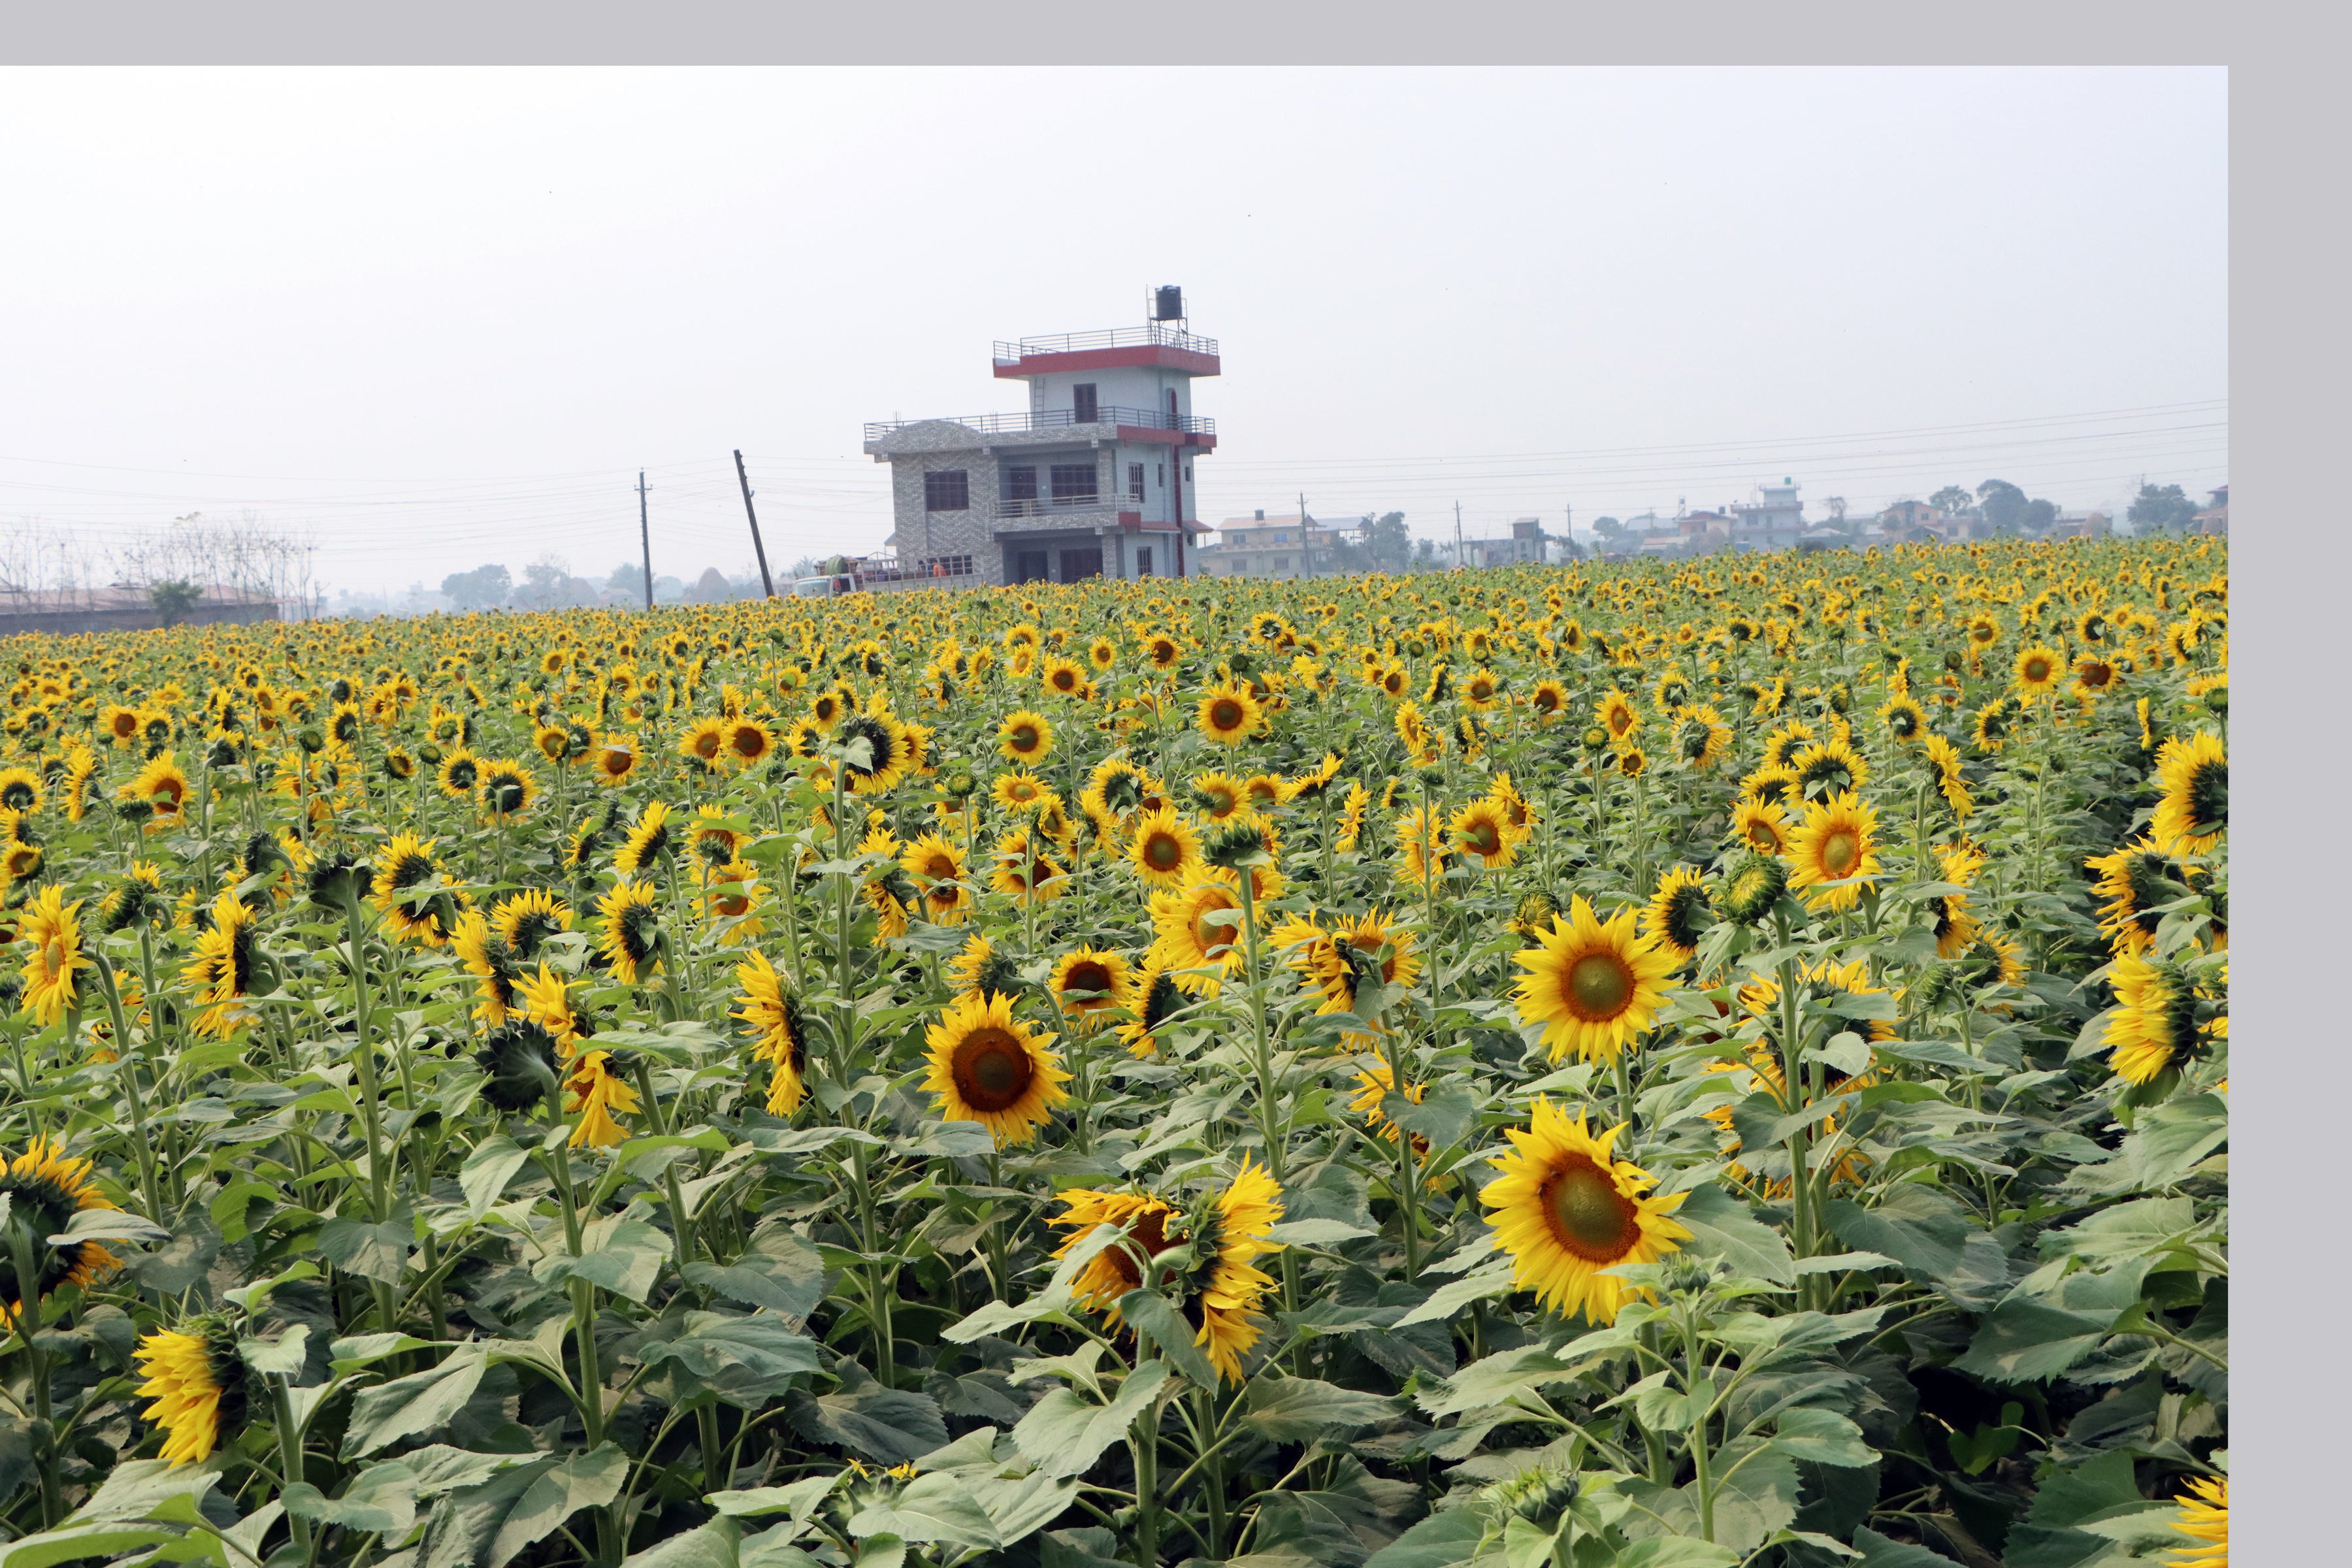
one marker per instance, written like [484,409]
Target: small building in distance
[1288,545]
[1774,520]
[2215,517]
[1526,542]
[122,607]
[1094,478]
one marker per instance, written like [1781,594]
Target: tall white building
[1093,479]
[1773,518]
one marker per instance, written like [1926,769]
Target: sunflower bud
[1540,1496]
[1235,845]
[1755,885]
[339,883]
[520,1063]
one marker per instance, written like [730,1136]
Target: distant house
[1774,520]
[2080,525]
[1527,543]
[2215,518]
[1292,545]
[122,608]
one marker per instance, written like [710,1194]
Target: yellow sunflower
[936,868]
[1227,714]
[1187,940]
[989,1067]
[1231,1235]
[1165,851]
[1153,1000]
[2194,809]
[220,973]
[186,1378]
[1026,737]
[631,928]
[1566,1210]
[405,873]
[2037,671]
[1483,828]
[1026,869]
[1833,844]
[45,1188]
[1677,916]
[1090,984]
[1955,927]
[51,933]
[2204,1519]
[1593,986]
[598,1094]
[1111,1273]
[772,1013]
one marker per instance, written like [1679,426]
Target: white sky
[444,316]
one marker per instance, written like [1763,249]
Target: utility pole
[1457,536]
[645,538]
[1305,540]
[766,584]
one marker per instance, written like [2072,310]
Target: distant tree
[1952,500]
[1607,529]
[1387,546]
[2002,503]
[1837,509]
[2038,516]
[172,599]
[668,590]
[2167,508]
[1424,556]
[478,589]
[543,582]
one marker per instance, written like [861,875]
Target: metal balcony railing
[1048,506]
[1055,419]
[1150,334]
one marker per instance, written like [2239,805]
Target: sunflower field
[1659,1066]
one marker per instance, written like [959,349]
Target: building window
[1159,471]
[1282,562]
[946,489]
[1021,484]
[1135,481]
[1143,561]
[1082,402]
[947,566]
[1073,481]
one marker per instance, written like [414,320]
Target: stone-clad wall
[966,532]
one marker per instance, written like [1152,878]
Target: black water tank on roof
[1167,303]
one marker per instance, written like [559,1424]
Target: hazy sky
[444,316]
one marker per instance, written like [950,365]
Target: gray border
[1199,33]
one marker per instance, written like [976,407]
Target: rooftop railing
[1150,334]
[1054,418]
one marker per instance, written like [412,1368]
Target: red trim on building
[1159,355]
[1206,443]
[1130,520]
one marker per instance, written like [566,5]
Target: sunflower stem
[128,1061]
[290,1450]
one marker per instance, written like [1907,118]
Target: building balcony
[1149,344]
[1105,420]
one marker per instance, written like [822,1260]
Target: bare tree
[247,555]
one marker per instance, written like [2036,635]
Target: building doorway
[1029,566]
[1079,564]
